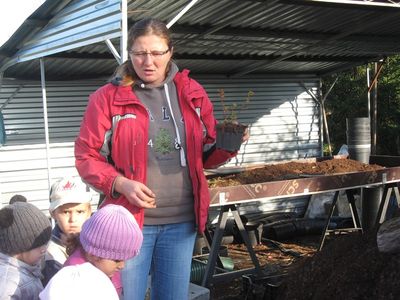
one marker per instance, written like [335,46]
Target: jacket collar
[124,95]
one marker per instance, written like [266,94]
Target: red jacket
[100,162]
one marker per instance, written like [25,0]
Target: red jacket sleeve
[92,166]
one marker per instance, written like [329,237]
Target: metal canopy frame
[268,46]
[332,39]
[120,57]
[220,31]
[364,3]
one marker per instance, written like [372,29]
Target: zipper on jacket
[178,144]
[198,217]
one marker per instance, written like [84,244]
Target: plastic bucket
[359,139]
[371,199]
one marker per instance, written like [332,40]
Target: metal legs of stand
[387,192]
[330,213]
[353,209]
[216,243]
[380,218]
[354,215]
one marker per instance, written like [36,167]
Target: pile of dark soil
[270,258]
[290,170]
[348,267]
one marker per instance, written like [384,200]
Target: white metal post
[1,80]
[46,124]
[124,29]
[368,95]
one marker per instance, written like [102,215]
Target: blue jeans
[166,255]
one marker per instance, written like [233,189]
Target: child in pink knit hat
[108,238]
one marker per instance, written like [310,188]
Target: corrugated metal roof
[78,24]
[232,37]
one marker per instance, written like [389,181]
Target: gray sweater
[166,176]
[18,280]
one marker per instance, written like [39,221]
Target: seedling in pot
[230,132]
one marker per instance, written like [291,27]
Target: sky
[13,13]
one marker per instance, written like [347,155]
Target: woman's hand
[136,192]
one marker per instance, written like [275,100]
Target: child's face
[71,216]
[32,257]
[108,266]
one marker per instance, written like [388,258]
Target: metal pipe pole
[1,80]
[375,110]
[124,31]
[369,95]
[46,124]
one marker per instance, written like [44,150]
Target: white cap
[69,190]
[79,282]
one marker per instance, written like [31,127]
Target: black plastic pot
[287,229]
[229,136]
[359,139]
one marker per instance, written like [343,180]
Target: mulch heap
[291,170]
[348,267]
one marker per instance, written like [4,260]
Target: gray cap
[23,227]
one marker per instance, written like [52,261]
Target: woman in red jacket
[144,141]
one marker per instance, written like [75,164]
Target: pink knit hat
[111,233]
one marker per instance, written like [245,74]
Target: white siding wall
[284,120]
[23,160]
[24,170]
[284,125]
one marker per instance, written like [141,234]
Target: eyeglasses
[154,54]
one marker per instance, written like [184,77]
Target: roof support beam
[266,33]
[255,66]
[124,36]
[358,3]
[181,13]
[321,102]
[222,57]
[114,51]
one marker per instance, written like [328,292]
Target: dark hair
[17,198]
[147,26]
